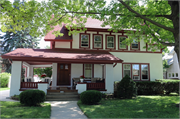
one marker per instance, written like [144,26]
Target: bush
[32,97]
[4,79]
[126,88]
[149,88]
[90,97]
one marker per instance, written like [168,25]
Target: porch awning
[62,56]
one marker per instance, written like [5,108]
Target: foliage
[149,88]
[91,97]
[32,97]
[4,79]
[42,71]
[11,109]
[140,107]
[126,88]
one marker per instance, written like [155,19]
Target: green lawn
[141,107]
[6,88]
[16,110]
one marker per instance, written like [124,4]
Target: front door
[63,74]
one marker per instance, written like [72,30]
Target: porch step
[64,96]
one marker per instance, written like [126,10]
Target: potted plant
[82,78]
[43,76]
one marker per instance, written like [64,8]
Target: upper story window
[110,42]
[84,40]
[98,41]
[121,44]
[135,45]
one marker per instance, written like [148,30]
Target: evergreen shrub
[32,97]
[4,79]
[91,97]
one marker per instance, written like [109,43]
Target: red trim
[113,50]
[139,70]
[59,40]
[80,40]
[119,41]
[71,45]
[114,42]
[101,40]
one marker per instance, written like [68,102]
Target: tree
[12,41]
[159,20]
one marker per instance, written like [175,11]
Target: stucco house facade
[95,52]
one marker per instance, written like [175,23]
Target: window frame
[135,48]
[147,70]
[101,41]
[92,70]
[119,43]
[107,42]
[140,73]
[80,42]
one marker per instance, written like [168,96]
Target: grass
[141,107]
[4,88]
[16,110]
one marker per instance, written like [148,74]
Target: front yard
[141,107]
[16,110]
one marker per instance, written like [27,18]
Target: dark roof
[62,55]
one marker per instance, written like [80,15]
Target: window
[110,41]
[169,74]
[84,40]
[172,74]
[144,72]
[176,74]
[135,72]
[88,70]
[135,44]
[127,70]
[97,41]
[122,45]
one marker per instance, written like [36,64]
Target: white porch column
[15,78]
[109,79]
[54,74]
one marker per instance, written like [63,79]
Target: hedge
[4,79]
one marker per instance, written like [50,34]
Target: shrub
[90,97]
[32,97]
[171,87]
[149,88]
[126,88]
[4,79]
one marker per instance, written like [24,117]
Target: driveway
[59,109]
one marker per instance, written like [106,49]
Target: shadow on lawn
[141,107]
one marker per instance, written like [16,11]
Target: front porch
[66,65]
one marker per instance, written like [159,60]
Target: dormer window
[110,42]
[97,41]
[84,40]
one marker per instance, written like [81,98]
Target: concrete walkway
[59,109]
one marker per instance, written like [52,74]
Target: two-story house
[96,52]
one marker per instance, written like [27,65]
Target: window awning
[62,56]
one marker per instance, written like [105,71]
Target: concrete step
[67,99]
[62,93]
[61,96]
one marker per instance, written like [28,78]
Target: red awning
[62,56]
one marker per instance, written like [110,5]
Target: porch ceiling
[62,55]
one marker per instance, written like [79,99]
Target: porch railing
[29,84]
[95,86]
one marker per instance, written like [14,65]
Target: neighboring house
[93,53]
[173,72]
